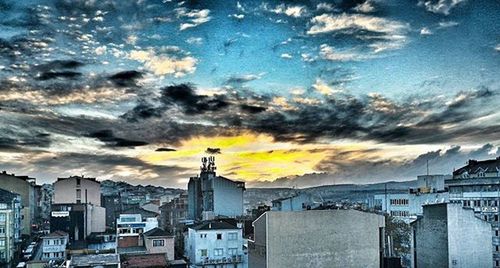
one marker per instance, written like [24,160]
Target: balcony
[226,260]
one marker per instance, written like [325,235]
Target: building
[76,207]
[95,260]
[298,202]
[112,205]
[407,206]
[144,261]
[10,225]
[102,241]
[317,238]
[54,246]
[210,195]
[174,212]
[215,243]
[477,186]
[129,230]
[157,241]
[25,187]
[450,236]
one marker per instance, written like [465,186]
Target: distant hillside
[109,187]
[353,192]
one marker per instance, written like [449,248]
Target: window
[497,248]
[158,243]
[203,235]
[218,252]
[232,251]
[232,236]
[2,230]
[2,216]
[219,236]
[203,252]
[3,206]
[2,243]
[78,193]
[78,182]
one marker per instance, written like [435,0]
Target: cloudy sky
[281,92]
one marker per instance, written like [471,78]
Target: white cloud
[286,56]
[497,47]
[325,7]
[365,7]
[446,24]
[329,53]
[441,6]
[164,64]
[327,23]
[291,11]
[237,16]
[195,17]
[100,50]
[195,40]
[425,31]
[324,88]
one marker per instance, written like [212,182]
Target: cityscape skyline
[295,93]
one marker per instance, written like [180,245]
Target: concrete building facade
[210,195]
[54,246]
[10,225]
[450,236]
[317,238]
[76,207]
[25,187]
[158,241]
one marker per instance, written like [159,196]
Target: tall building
[215,244]
[317,238]
[477,186]
[451,236]
[210,195]
[10,225]
[76,207]
[25,187]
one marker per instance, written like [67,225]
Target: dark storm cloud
[164,149]
[23,141]
[213,151]
[126,78]
[184,96]
[252,109]
[142,111]
[108,137]
[60,64]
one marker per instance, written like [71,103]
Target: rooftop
[474,166]
[79,177]
[94,259]
[56,234]
[157,232]
[144,260]
[214,225]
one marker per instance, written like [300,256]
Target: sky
[282,93]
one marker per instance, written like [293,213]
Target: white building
[10,225]
[407,206]
[477,186]
[54,246]
[215,243]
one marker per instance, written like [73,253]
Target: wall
[323,238]
[196,243]
[27,192]
[431,237]
[98,219]
[469,239]
[168,248]
[228,198]
[65,191]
